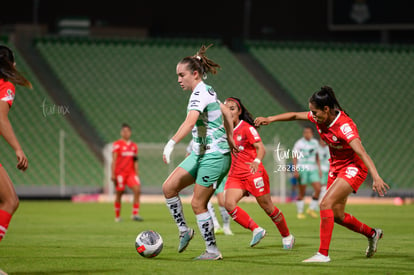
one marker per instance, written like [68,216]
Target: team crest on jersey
[351,172]
[347,130]
[239,137]
[334,138]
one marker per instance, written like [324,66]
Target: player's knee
[198,207]
[326,203]
[11,204]
[168,191]
[229,205]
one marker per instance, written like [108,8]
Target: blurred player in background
[350,164]
[125,172]
[9,77]
[219,193]
[209,160]
[248,176]
[306,169]
[324,156]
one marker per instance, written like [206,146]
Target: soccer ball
[149,244]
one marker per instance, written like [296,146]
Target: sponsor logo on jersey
[254,133]
[331,175]
[351,172]
[258,182]
[347,130]
[194,103]
[239,137]
[241,148]
[197,93]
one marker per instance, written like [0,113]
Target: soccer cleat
[218,231]
[288,242]
[301,216]
[209,256]
[118,219]
[258,234]
[372,243]
[312,213]
[137,218]
[318,258]
[185,238]
[227,231]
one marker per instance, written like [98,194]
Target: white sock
[225,217]
[314,204]
[205,224]
[176,209]
[300,205]
[210,208]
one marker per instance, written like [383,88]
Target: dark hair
[8,71]
[245,114]
[200,63]
[325,97]
[125,125]
[309,127]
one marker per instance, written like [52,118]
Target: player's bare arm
[114,156]
[281,117]
[228,125]
[186,126]
[260,150]
[378,185]
[7,132]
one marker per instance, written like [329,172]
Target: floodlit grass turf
[67,238]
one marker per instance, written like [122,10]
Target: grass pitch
[67,238]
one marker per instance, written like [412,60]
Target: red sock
[135,209]
[279,220]
[117,206]
[353,224]
[5,218]
[241,217]
[326,228]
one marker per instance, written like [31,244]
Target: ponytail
[245,114]
[325,97]
[8,71]
[201,63]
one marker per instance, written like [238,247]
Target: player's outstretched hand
[261,121]
[22,161]
[380,187]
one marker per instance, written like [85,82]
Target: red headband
[234,100]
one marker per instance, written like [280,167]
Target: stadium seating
[37,122]
[372,82]
[134,81]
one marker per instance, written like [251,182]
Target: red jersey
[338,135]
[7,92]
[126,154]
[244,135]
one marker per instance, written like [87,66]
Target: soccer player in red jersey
[125,172]
[248,176]
[349,166]
[9,77]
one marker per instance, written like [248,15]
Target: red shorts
[353,174]
[256,184]
[128,179]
